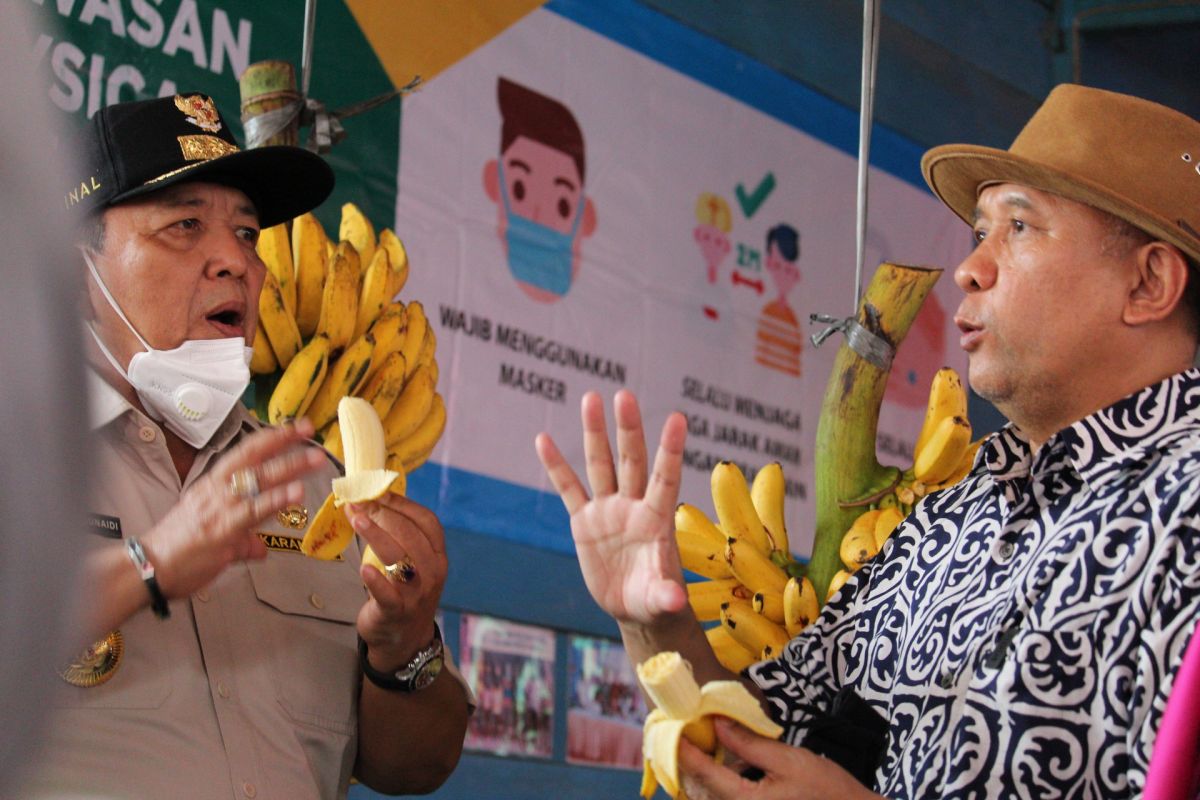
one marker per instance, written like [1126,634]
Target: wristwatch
[413,676]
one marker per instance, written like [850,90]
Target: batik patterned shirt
[1020,630]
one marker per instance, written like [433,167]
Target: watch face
[428,672]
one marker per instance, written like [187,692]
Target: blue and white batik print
[1020,630]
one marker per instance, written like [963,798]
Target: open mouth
[227,319]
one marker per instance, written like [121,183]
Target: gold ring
[402,571]
[244,484]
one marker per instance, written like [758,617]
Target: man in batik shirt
[1020,632]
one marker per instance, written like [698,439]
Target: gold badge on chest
[97,664]
[294,517]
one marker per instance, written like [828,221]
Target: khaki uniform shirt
[249,689]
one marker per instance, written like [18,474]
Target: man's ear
[1162,274]
[491,180]
[587,225]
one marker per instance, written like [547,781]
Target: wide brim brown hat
[1135,159]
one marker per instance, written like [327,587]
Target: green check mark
[750,203]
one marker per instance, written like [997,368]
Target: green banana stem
[845,462]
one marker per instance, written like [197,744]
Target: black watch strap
[416,674]
[158,601]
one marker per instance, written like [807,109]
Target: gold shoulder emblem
[200,111]
[97,664]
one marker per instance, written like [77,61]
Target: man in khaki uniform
[228,664]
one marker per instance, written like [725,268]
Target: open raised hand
[625,531]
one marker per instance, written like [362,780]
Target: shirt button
[316,600]
[248,789]
[1006,550]
[202,596]
[223,690]
[146,433]
[947,680]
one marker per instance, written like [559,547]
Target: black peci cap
[132,149]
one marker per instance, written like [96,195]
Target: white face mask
[190,389]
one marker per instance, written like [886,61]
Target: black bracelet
[158,603]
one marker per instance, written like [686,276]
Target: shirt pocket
[311,638]
[1052,669]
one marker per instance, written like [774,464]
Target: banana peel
[685,710]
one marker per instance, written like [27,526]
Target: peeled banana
[367,476]
[684,709]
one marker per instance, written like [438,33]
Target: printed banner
[581,217]
[510,667]
[606,707]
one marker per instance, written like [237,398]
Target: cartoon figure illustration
[712,214]
[780,339]
[920,355]
[537,185]
[712,235]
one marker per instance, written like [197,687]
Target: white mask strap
[106,352]
[112,302]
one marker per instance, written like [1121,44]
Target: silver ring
[402,571]
[244,484]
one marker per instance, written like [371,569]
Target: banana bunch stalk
[846,466]
[330,326]
[755,591]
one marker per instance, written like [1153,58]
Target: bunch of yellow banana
[685,709]
[331,326]
[943,455]
[755,589]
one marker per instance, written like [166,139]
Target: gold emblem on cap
[294,517]
[200,111]
[204,148]
[97,664]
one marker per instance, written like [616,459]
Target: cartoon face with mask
[537,184]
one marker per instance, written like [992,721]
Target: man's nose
[229,255]
[977,272]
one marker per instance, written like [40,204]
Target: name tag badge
[286,544]
[106,526]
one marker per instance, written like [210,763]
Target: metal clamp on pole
[876,350]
